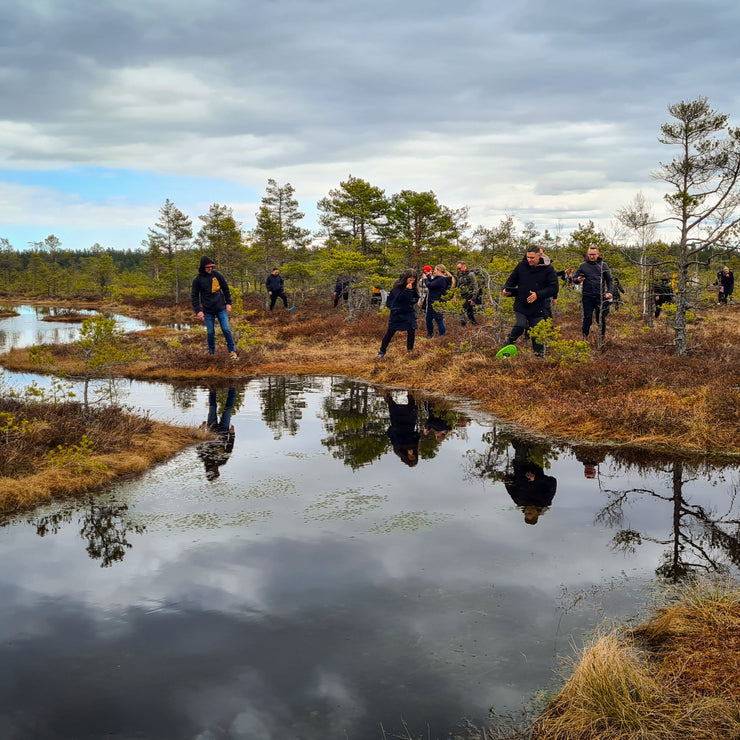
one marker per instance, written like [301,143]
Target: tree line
[370,237]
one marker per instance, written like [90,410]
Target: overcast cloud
[546,111]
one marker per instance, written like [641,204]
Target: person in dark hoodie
[533,284]
[211,300]
[598,287]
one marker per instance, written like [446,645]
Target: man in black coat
[274,284]
[533,284]
[598,287]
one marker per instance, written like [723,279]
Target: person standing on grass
[211,300]
[402,302]
[726,280]
[595,277]
[533,284]
[275,290]
[436,283]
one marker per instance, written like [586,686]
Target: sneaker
[380,356]
[233,355]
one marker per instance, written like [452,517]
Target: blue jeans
[430,317]
[223,322]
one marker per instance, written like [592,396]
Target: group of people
[533,283]
[406,294]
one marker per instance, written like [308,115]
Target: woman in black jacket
[402,302]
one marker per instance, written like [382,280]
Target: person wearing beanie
[211,301]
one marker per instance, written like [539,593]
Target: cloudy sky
[548,111]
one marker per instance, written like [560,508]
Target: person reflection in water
[530,489]
[590,459]
[216,452]
[402,431]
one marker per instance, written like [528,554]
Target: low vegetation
[53,449]
[675,676]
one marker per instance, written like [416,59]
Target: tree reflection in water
[699,539]
[105,527]
[282,403]
[365,423]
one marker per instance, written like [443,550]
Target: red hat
[427,268]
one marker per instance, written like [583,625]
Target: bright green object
[504,353]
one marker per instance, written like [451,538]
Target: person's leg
[518,329]
[470,311]
[210,322]
[285,300]
[386,340]
[428,320]
[439,316]
[589,305]
[410,337]
[336,300]
[223,322]
[212,409]
[537,348]
[273,299]
[228,409]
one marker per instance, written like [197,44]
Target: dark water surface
[298,578]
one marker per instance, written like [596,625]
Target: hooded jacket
[598,278]
[209,293]
[541,279]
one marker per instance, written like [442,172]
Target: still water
[339,560]
[28,328]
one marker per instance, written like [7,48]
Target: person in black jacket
[275,290]
[533,284]
[211,300]
[436,283]
[402,302]
[598,287]
[726,282]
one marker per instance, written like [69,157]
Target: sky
[546,111]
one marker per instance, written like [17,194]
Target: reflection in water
[355,418]
[530,489]
[282,404]
[402,431]
[699,540]
[312,594]
[215,452]
[104,527]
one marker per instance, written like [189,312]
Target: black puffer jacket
[210,293]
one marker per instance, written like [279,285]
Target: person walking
[436,284]
[402,302]
[595,277]
[532,283]
[274,284]
[726,280]
[211,300]
[468,291]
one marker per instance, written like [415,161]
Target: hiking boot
[233,355]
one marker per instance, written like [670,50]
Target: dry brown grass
[635,392]
[118,445]
[677,676]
